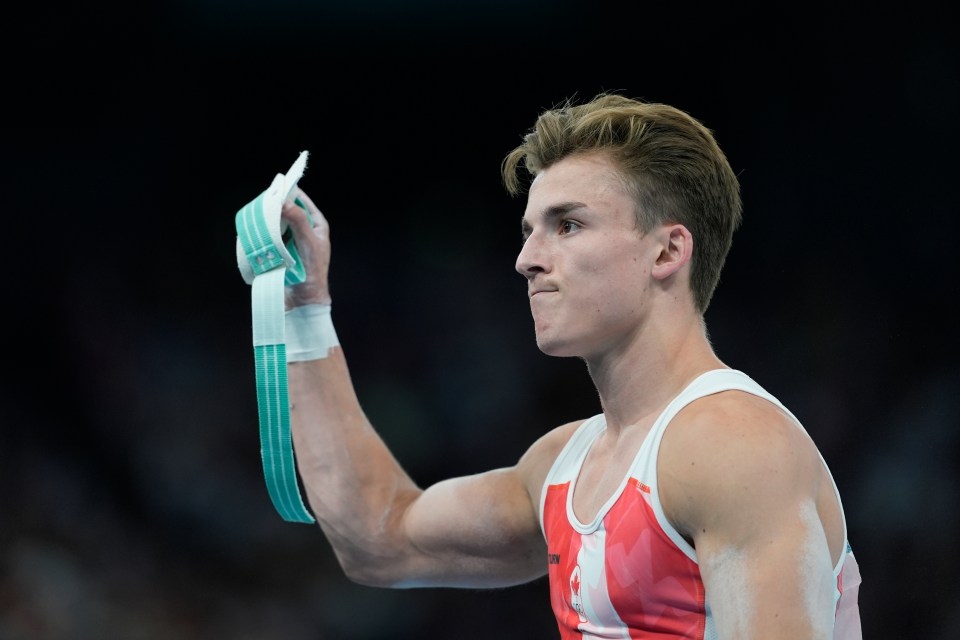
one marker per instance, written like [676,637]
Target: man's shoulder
[550,444]
[734,439]
[735,422]
[540,456]
[734,458]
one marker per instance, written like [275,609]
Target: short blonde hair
[669,160]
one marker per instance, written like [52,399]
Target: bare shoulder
[535,463]
[730,452]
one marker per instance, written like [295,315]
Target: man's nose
[532,259]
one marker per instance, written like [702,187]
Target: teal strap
[268,263]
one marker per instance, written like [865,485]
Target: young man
[694,506]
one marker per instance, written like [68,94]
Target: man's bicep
[476,531]
[760,541]
[776,581]
[483,530]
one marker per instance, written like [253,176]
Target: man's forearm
[355,487]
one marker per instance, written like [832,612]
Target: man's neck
[641,376]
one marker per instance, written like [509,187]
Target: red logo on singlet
[576,600]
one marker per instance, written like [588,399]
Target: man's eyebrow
[551,213]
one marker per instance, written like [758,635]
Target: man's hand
[313,245]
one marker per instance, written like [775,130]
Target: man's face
[586,263]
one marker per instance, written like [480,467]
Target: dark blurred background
[134,504]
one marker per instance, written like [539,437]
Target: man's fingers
[305,199]
[296,216]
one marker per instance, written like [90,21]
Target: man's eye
[567,226]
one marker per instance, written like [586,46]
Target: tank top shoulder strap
[567,464]
[706,384]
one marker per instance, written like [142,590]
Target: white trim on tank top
[579,444]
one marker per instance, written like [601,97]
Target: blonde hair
[670,162]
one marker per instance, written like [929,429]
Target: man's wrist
[309,332]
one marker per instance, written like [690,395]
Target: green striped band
[268,263]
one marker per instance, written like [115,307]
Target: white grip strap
[268,264]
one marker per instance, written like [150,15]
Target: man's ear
[676,250]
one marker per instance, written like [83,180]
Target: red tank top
[629,573]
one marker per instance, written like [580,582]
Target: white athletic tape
[310,333]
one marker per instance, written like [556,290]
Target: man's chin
[556,348]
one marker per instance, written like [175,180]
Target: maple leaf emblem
[575,583]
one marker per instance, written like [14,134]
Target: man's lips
[536,292]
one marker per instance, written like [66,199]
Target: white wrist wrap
[309,332]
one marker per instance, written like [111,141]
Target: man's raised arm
[475,531]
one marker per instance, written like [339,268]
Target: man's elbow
[367,577]
[373,572]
